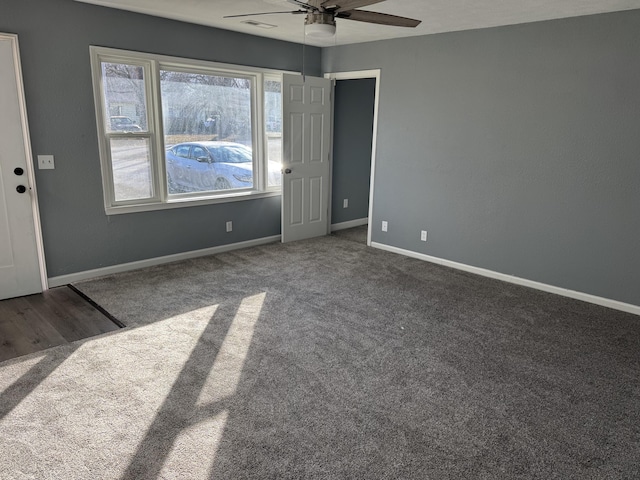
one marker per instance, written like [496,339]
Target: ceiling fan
[321,15]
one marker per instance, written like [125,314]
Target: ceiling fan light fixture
[318,24]
[320,30]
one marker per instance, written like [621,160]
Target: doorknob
[18,171]
[21,189]
[288,170]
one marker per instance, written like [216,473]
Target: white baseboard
[350,224]
[150,262]
[605,302]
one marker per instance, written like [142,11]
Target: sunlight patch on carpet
[105,395]
[200,441]
[223,379]
[16,370]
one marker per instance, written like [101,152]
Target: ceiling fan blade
[263,13]
[306,5]
[379,18]
[343,5]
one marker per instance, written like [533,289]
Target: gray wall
[517,148]
[54,38]
[353,132]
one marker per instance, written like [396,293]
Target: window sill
[190,202]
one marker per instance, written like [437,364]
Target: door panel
[317,137]
[315,199]
[306,127]
[297,193]
[296,145]
[317,95]
[19,256]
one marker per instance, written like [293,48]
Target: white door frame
[375,74]
[31,176]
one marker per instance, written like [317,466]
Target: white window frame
[152,65]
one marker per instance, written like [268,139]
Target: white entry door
[306,163]
[20,272]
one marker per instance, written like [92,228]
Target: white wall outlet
[229,226]
[345,203]
[423,235]
[385,225]
[45,162]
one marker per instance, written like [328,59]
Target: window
[125,97]
[176,132]
[273,128]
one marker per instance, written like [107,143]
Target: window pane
[125,104]
[211,166]
[131,164]
[273,115]
[212,112]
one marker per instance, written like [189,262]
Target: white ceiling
[437,15]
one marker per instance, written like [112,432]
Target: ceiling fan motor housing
[319,18]
[319,24]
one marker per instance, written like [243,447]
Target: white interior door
[20,267]
[306,157]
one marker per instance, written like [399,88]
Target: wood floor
[55,317]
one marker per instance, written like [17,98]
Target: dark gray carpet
[356,234]
[328,359]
